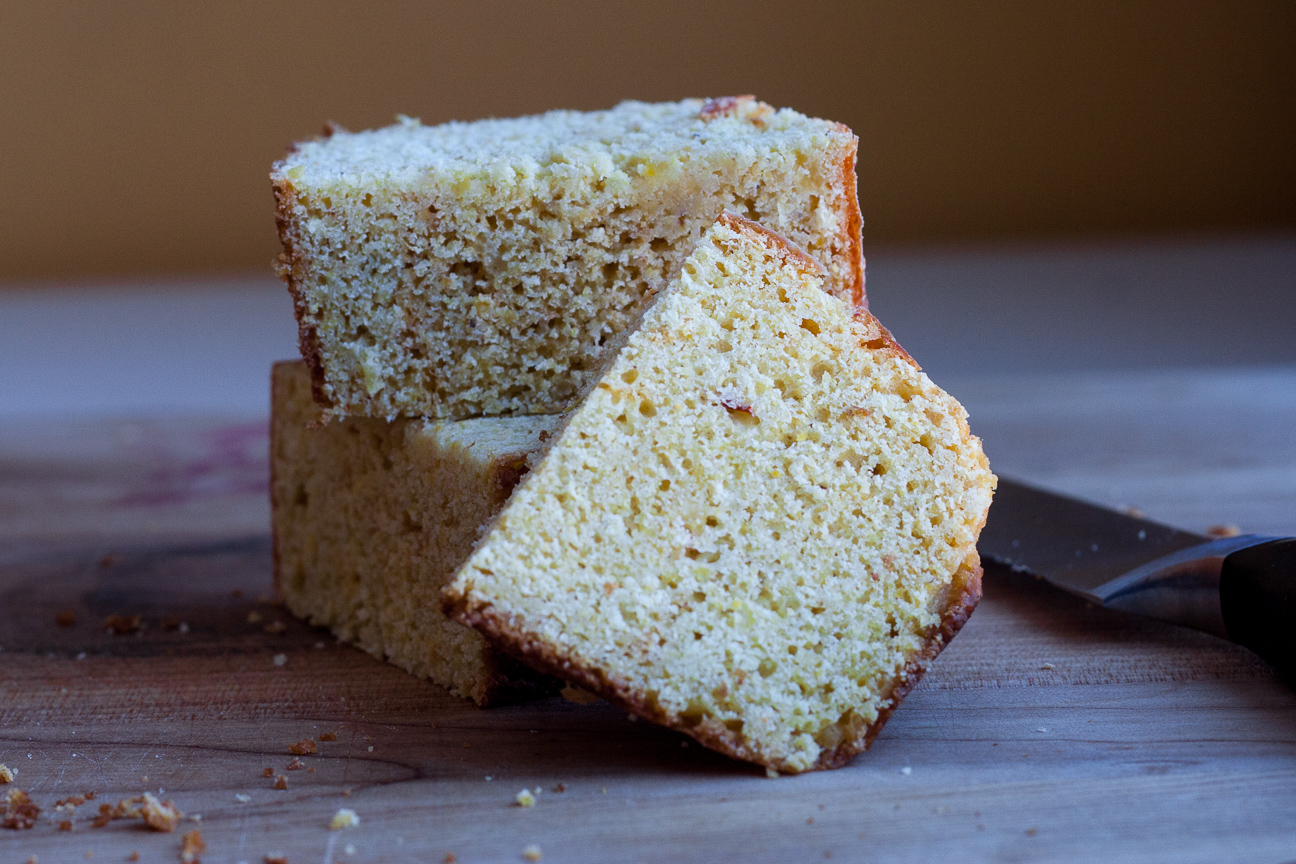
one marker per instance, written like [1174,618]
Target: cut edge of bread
[510,634]
[507,680]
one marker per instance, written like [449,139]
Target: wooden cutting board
[1048,730]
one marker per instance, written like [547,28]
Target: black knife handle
[1258,601]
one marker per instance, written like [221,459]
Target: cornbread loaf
[758,528]
[483,268]
[372,518]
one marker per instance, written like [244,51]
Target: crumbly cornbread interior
[484,268]
[371,519]
[751,527]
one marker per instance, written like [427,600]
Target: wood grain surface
[1047,731]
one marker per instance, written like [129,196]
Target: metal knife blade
[1112,559]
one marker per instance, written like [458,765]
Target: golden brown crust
[854,239]
[512,638]
[880,338]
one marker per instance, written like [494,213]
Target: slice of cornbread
[372,518]
[758,528]
[483,268]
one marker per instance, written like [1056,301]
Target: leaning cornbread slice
[758,528]
[484,268]
[372,518]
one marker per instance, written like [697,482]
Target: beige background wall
[135,137]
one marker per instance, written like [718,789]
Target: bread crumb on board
[156,814]
[580,697]
[304,747]
[275,858]
[123,625]
[17,812]
[532,853]
[329,736]
[525,798]
[343,818]
[7,774]
[192,847]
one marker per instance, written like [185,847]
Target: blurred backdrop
[135,137]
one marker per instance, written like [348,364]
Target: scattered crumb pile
[18,813]
[758,528]
[156,814]
[486,268]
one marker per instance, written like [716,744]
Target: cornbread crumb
[18,812]
[133,856]
[281,782]
[192,847]
[371,519]
[1222,531]
[449,858]
[156,814]
[267,772]
[296,764]
[7,774]
[65,825]
[768,518]
[577,695]
[487,268]
[304,747]
[123,625]
[275,858]
[344,818]
[525,798]
[329,736]
[532,853]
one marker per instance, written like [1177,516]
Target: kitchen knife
[1238,588]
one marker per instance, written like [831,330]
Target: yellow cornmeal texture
[483,268]
[751,525]
[372,518]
